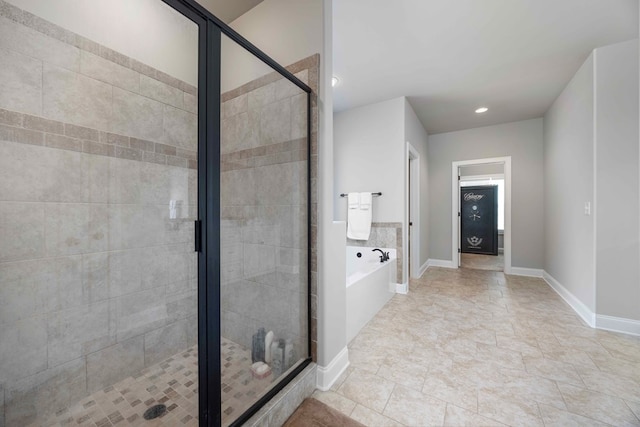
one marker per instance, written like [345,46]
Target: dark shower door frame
[207,230]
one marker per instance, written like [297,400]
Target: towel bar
[373,194]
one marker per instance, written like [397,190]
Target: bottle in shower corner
[289,354]
[268,340]
[277,358]
[257,346]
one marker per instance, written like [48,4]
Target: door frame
[455,207]
[412,213]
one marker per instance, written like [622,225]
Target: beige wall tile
[109,72]
[141,312]
[24,348]
[22,231]
[108,366]
[180,128]
[275,122]
[137,116]
[78,331]
[190,103]
[164,342]
[45,393]
[33,43]
[20,82]
[77,99]
[162,92]
[76,228]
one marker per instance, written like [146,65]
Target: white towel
[353,200]
[365,201]
[359,220]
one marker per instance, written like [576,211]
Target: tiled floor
[482,262]
[174,383]
[240,389]
[469,347]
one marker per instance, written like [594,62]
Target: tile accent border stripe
[283,152]
[33,130]
[52,30]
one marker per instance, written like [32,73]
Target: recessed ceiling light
[482,110]
[334,81]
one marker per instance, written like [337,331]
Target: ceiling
[229,10]
[450,57]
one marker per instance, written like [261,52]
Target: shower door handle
[197,235]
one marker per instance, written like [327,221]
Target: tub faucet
[385,255]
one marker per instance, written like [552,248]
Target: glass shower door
[264,229]
[98,197]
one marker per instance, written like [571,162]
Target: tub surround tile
[109,72]
[20,82]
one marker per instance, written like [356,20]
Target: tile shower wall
[96,281]
[264,220]
[384,235]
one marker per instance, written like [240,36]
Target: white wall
[415,134]
[286,30]
[617,188]
[147,30]
[520,140]
[569,183]
[369,156]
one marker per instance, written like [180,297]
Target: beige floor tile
[554,417]
[366,360]
[498,404]
[335,401]
[412,407]
[599,406]
[371,418]
[458,417]
[445,386]
[413,380]
[367,389]
[341,378]
[485,344]
[616,385]
[635,408]
[552,370]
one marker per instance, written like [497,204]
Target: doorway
[490,172]
[482,217]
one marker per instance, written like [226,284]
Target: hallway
[469,347]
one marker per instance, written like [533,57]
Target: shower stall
[156,235]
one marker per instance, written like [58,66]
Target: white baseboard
[618,324]
[329,374]
[402,288]
[423,268]
[578,306]
[445,263]
[529,272]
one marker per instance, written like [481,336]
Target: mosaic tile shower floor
[172,382]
